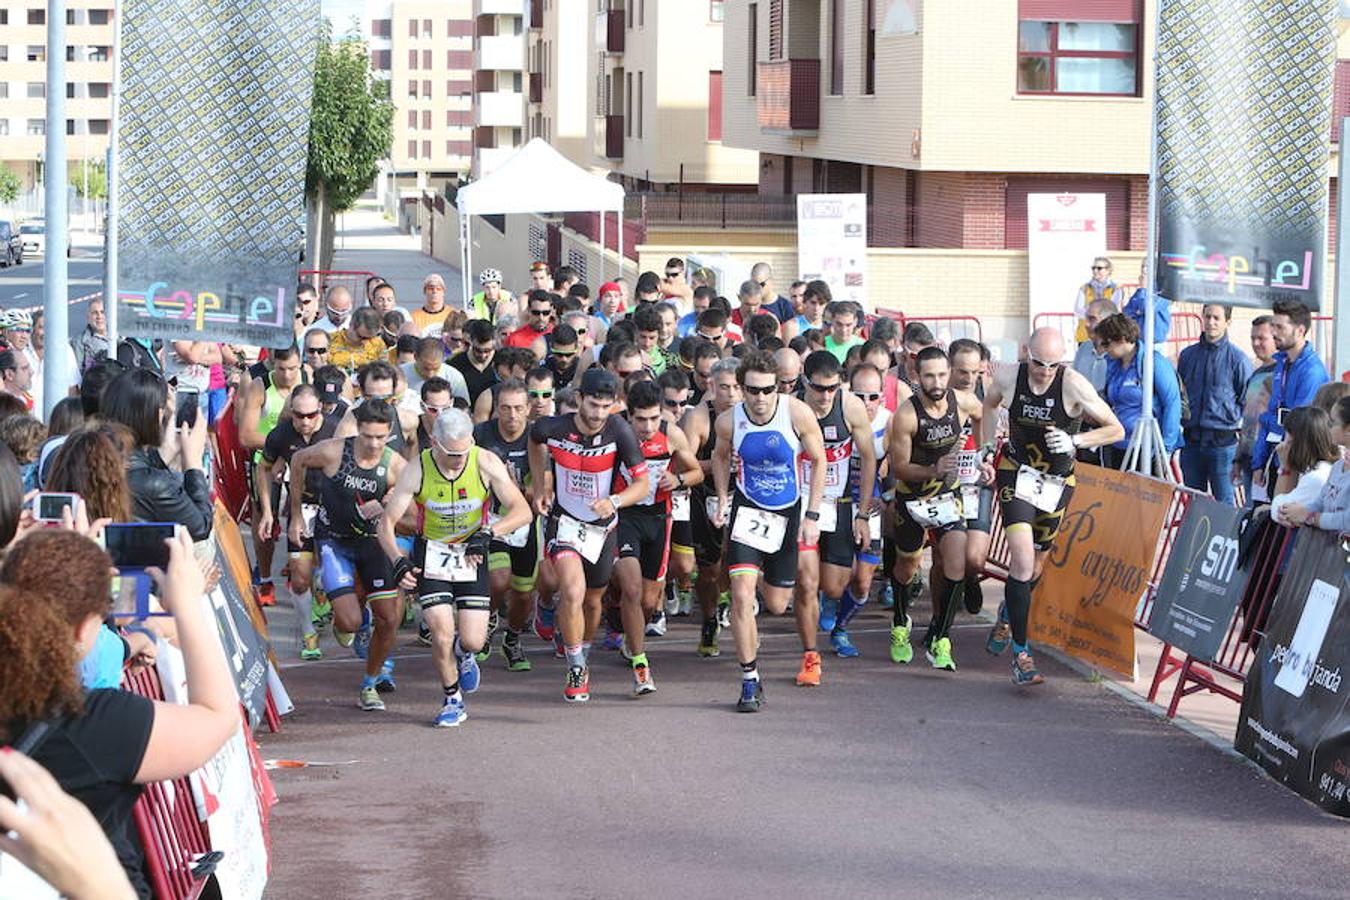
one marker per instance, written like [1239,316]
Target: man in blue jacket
[1299,372]
[1214,372]
[1119,337]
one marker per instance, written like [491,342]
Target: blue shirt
[1215,374]
[686,325]
[1162,314]
[1292,385]
[102,668]
[1124,391]
[781,307]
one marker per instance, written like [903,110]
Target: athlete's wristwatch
[679,478]
[614,501]
[813,515]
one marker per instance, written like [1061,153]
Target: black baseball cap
[597,382]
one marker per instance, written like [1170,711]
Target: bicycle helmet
[490,275]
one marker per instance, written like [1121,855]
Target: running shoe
[1000,635]
[469,674]
[452,713]
[384,682]
[544,623]
[657,626]
[311,649]
[724,609]
[642,680]
[829,613]
[344,638]
[370,700]
[752,696]
[886,599]
[321,614]
[267,594]
[707,642]
[424,635]
[613,639]
[901,649]
[514,653]
[1024,670]
[483,652]
[842,645]
[578,686]
[671,602]
[974,597]
[809,674]
[558,652]
[684,601]
[361,644]
[939,654]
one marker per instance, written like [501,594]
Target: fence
[354,281]
[1186,330]
[944,328]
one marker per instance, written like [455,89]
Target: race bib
[759,529]
[679,506]
[968,466]
[309,511]
[711,507]
[829,516]
[655,469]
[586,538]
[1041,490]
[518,538]
[448,562]
[970,500]
[874,525]
[936,511]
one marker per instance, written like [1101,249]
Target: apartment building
[499,82]
[23,83]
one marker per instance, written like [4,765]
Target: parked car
[34,236]
[11,244]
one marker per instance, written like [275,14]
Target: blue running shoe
[752,696]
[839,640]
[361,645]
[453,712]
[887,598]
[613,639]
[544,623]
[829,611]
[1001,635]
[468,673]
[384,682]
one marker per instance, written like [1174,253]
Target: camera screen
[50,506]
[138,546]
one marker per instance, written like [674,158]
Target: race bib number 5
[759,529]
[586,538]
[935,512]
[1041,490]
[448,562]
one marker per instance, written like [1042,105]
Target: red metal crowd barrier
[351,279]
[1186,330]
[173,838]
[945,328]
[1066,323]
[231,460]
[1244,634]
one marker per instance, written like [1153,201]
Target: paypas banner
[1244,123]
[214,123]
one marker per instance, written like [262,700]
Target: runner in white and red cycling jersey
[574,462]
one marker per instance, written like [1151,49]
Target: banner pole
[110,287]
[1143,462]
[1341,321]
[56,377]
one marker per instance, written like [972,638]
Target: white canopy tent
[535,179]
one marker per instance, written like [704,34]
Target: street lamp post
[57,378]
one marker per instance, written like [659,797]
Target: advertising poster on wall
[1064,233]
[832,243]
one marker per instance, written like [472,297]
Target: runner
[645,526]
[924,444]
[305,427]
[825,569]
[513,561]
[356,475]
[968,360]
[454,483]
[573,463]
[377,382]
[766,435]
[675,394]
[712,585]
[1046,401]
[428,320]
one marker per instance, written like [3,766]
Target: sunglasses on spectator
[823,388]
[541,395]
[377,397]
[711,337]
[670,274]
[563,354]
[629,372]
[788,382]
[1101,268]
[316,349]
[868,396]
[764,391]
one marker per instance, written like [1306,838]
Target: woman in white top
[1306,456]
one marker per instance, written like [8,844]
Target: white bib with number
[448,562]
[308,511]
[679,506]
[829,517]
[874,525]
[586,538]
[970,500]
[518,538]
[655,469]
[711,506]
[1039,489]
[759,529]
[935,512]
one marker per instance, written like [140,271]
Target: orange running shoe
[809,674]
[266,594]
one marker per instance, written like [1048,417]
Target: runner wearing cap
[430,318]
[492,303]
[574,461]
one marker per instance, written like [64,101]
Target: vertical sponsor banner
[832,243]
[1065,232]
[1202,584]
[1295,719]
[1244,141]
[215,113]
[1099,567]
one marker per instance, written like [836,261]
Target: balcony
[609,31]
[499,109]
[504,52]
[789,96]
[613,137]
[536,87]
[536,13]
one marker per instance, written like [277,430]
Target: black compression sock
[900,613]
[1017,598]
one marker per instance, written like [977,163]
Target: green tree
[96,180]
[9,184]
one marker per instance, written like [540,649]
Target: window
[36,53]
[380,28]
[836,47]
[412,28]
[37,89]
[638,104]
[99,90]
[100,16]
[37,17]
[1078,58]
[412,59]
[37,127]
[426,120]
[426,59]
[98,126]
[412,149]
[459,59]
[870,50]
[412,89]
[752,51]
[426,90]
[99,54]
[4,91]
[426,28]
[4,52]
[775,29]
[716,12]
[426,149]
[71,129]
[458,118]
[4,127]
[70,52]
[71,91]
[380,60]
[412,118]
[714,106]
[4,20]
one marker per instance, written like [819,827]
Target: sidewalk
[367,242]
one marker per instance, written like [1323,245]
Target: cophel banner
[1065,232]
[1295,719]
[214,123]
[832,243]
[1099,567]
[1202,584]
[1244,93]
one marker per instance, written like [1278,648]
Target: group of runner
[758,481]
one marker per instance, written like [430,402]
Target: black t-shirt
[476,381]
[95,758]
[283,441]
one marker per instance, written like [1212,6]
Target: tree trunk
[314,220]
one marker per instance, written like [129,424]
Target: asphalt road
[21,286]
[886,781]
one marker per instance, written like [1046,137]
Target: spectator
[845,317]
[67,416]
[382,298]
[1119,336]
[93,463]
[139,399]
[24,435]
[797,296]
[1329,394]
[306,309]
[92,344]
[1331,509]
[689,321]
[1298,374]
[337,305]
[452,333]
[1214,373]
[359,342]
[1101,286]
[647,319]
[564,278]
[16,377]
[917,337]
[1090,360]
[505,327]
[887,331]
[428,319]
[405,349]
[540,277]
[674,286]
[539,321]
[1306,455]
[648,289]
[330,382]
[37,357]
[607,305]
[1162,309]
[1255,399]
[102,745]
[788,365]
[751,298]
[429,363]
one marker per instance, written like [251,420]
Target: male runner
[925,440]
[1046,401]
[377,381]
[845,428]
[356,475]
[645,526]
[455,483]
[977,500]
[573,463]
[766,435]
[305,427]
[679,600]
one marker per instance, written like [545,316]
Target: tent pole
[620,218]
[467,225]
[603,217]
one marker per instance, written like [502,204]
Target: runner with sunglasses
[456,484]
[675,393]
[538,316]
[377,382]
[766,436]
[1046,402]
[564,354]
